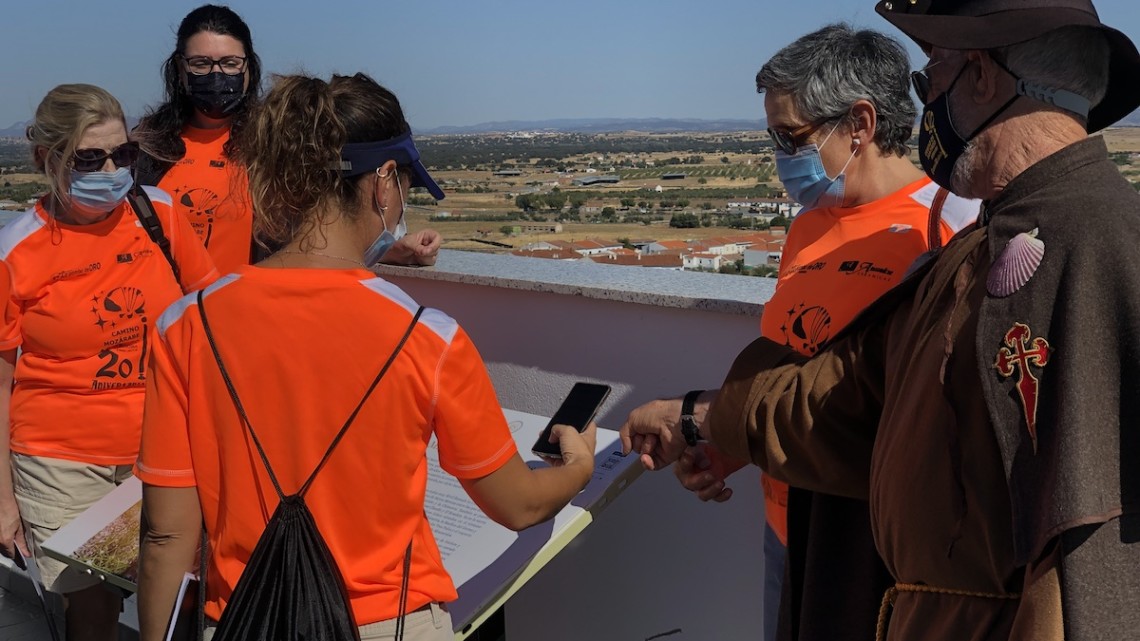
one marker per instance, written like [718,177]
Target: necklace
[312,253]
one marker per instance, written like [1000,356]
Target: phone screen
[579,408]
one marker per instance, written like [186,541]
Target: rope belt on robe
[891,593]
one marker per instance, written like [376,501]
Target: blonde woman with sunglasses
[81,284]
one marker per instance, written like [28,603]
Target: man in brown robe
[989,406]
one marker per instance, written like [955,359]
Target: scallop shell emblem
[1016,265]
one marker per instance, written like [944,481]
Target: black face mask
[939,143]
[215,94]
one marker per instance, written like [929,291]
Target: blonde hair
[62,117]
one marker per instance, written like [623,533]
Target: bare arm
[172,522]
[518,497]
[11,527]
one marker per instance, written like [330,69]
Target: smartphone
[579,408]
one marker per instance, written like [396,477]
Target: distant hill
[603,125]
[16,130]
[583,125]
[1131,120]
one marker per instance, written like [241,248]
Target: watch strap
[689,428]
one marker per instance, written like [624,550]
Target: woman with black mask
[211,80]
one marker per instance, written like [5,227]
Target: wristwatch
[689,428]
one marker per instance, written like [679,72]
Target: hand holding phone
[579,408]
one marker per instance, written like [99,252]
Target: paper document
[184,617]
[486,560]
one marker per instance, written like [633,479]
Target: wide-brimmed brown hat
[990,24]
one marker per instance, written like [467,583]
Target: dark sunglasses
[921,83]
[920,80]
[789,141]
[88,160]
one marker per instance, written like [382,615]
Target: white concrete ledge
[740,295]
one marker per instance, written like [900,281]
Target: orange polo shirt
[80,303]
[836,261]
[212,192]
[300,363]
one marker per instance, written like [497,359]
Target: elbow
[523,517]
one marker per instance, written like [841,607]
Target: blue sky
[453,62]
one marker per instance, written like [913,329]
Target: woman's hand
[416,248]
[11,528]
[577,447]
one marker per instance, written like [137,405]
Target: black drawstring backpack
[292,588]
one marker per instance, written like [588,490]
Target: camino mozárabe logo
[806,328]
[201,206]
[121,315]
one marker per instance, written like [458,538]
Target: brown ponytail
[291,146]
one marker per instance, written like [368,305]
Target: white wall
[657,559]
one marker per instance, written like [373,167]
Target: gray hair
[827,71]
[1071,58]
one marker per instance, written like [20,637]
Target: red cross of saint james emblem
[1021,350]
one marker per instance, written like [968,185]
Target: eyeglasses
[920,80]
[921,83]
[88,160]
[788,141]
[202,65]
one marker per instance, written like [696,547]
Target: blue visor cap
[358,158]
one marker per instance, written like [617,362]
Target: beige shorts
[50,493]
[429,623]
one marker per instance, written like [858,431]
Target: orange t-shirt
[212,192]
[80,303]
[836,262]
[300,364]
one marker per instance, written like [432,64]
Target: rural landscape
[691,199]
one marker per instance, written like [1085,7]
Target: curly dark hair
[160,130]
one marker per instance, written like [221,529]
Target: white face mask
[386,239]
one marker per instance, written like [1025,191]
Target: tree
[684,221]
[702,181]
[526,202]
[706,205]
[555,200]
[779,221]
[608,214]
[627,202]
[625,243]
[507,230]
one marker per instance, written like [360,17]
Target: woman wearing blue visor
[301,334]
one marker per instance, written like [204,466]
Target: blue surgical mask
[807,181]
[98,192]
[386,239]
